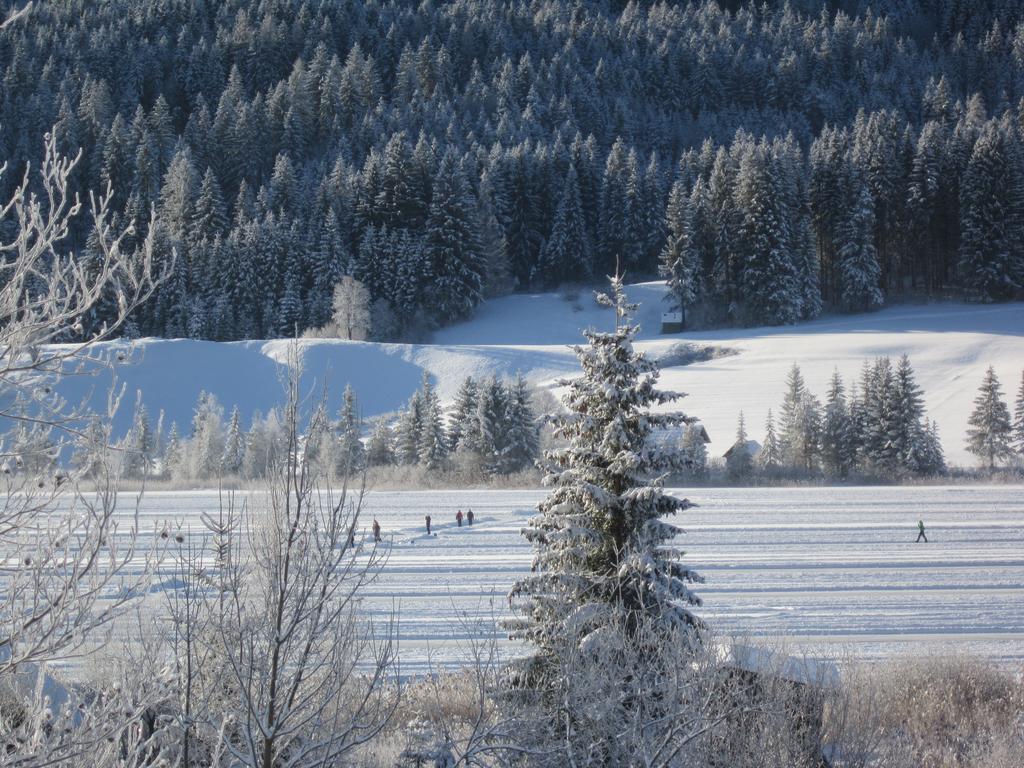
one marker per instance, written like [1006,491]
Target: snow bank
[950,345]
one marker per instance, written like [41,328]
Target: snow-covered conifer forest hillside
[772,159]
[723,372]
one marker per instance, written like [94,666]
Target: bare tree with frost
[73,559]
[276,665]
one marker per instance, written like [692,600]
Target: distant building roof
[753,448]
[674,435]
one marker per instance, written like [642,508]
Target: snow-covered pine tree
[930,457]
[800,413]
[771,456]
[694,452]
[140,445]
[456,264]
[397,204]
[602,559]
[739,463]
[615,206]
[206,444]
[490,425]
[858,271]
[1018,418]
[264,443]
[908,427]
[679,264]
[837,453]
[234,445]
[810,432]
[329,261]
[989,434]
[990,248]
[407,434]
[521,438]
[321,449]
[350,431]
[769,285]
[172,459]
[379,451]
[291,310]
[879,417]
[209,217]
[566,255]
[91,451]
[432,443]
[460,420]
[498,278]
[857,404]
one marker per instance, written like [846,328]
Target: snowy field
[830,570]
[950,345]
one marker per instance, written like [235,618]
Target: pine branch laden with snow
[603,556]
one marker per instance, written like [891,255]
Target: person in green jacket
[920,532]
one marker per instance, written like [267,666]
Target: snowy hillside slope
[950,345]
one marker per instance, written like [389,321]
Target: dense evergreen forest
[770,160]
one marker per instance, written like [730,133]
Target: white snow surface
[828,572]
[950,345]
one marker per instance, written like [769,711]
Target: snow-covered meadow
[831,570]
[950,346]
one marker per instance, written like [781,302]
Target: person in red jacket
[458,518]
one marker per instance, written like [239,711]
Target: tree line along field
[827,571]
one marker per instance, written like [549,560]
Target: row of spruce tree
[491,428]
[879,430]
[446,152]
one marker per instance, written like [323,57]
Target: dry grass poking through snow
[907,713]
[955,712]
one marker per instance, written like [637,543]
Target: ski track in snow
[826,570]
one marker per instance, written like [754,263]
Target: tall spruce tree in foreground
[988,436]
[602,564]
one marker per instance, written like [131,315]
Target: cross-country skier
[428,525]
[458,518]
[376,531]
[469,517]
[920,532]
